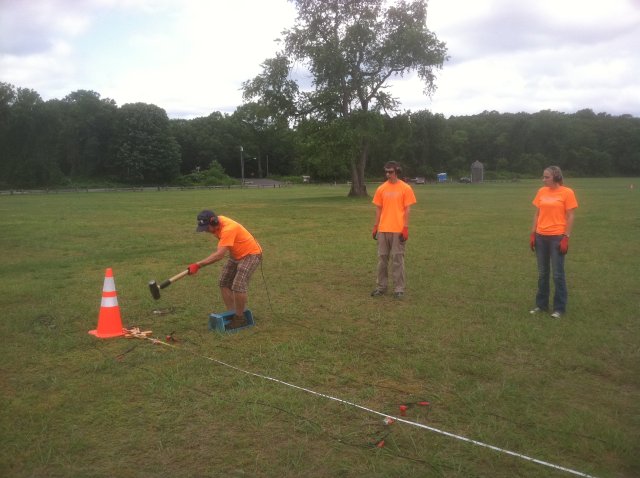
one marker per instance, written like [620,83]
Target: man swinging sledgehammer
[245,254]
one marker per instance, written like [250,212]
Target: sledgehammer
[155,288]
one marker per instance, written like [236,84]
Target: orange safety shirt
[233,235]
[553,205]
[393,199]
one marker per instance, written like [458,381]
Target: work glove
[374,233]
[193,269]
[564,245]
[532,241]
[404,235]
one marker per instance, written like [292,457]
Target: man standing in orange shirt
[245,256]
[393,200]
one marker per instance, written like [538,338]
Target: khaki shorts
[236,273]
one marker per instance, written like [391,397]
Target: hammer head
[155,290]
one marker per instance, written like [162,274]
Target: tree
[203,141]
[147,152]
[7,99]
[86,134]
[352,49]
[431,146]
[23,163]
[326,145]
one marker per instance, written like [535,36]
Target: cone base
[103,335]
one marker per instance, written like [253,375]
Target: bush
[214,176]
[288,179]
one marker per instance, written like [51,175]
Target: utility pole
[242,166]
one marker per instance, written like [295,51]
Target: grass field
[564,392]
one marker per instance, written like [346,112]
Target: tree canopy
[351,50]
[84,138]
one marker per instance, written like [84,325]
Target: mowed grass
[564,392]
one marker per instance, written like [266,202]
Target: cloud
[31,28]
[190,57]
[526,56]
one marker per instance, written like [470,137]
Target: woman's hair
[556,174]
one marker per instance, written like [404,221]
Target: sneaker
[377,293]
[556,315]
[236,322]
[398,295]
[536,311]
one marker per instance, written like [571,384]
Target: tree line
[344,126]
[84,138]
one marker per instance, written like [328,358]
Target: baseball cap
[204,219]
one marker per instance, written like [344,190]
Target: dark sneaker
[377,293]
[236,322]
[398,295]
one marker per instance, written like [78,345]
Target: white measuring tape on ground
[385,415]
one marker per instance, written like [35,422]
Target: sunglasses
[389,171]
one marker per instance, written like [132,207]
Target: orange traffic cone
[109,321]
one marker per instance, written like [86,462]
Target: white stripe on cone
[109,285]
[109,302]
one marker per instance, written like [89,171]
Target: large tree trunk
[358,187]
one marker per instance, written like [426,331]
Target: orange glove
[564,245]
[374,233]
[532,241]
[193,268]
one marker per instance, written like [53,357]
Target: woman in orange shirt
[552,224]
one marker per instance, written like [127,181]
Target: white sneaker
[556,315]
[535,311]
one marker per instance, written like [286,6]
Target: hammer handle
[171,280]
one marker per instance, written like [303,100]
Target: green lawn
[563,392]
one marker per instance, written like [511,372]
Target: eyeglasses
[389,171]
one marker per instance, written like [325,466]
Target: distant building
[477,172]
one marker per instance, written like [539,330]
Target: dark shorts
[236,273]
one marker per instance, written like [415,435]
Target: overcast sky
[190,57]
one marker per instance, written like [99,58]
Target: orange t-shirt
[234,236]
[553,205]
[393,199]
